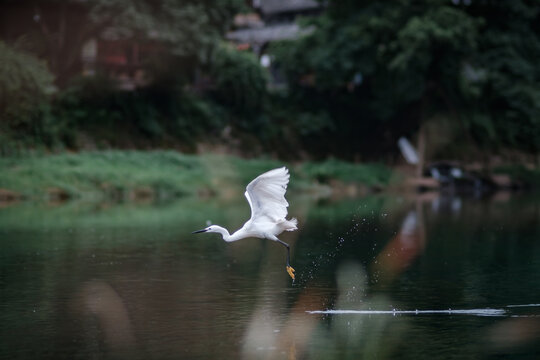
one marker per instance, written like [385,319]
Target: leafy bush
[152,114]
[383,69]
[240,80]
[25,85]
[87,100]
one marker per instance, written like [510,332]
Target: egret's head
[211,228]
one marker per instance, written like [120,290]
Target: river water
[380,277]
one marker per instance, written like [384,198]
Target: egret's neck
[224,232]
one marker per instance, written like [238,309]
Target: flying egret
[266,197]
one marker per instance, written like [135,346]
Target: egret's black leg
[288,250]
[289,268]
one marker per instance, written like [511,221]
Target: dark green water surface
[130,281]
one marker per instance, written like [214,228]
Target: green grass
[332,169]
[125,175]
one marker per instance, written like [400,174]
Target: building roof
[271,7]
[268,33]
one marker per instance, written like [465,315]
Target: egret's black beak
[199,231]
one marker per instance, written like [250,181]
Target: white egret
[266,197]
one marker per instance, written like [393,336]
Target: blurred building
[62,33]
[271,20]
[121,59]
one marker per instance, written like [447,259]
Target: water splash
[504,311]
[471,312]
[524,305]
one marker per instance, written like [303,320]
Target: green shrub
[239,79]
[25,85]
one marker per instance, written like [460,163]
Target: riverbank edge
[162,174]
[134,175]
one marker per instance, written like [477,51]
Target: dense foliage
[25,86]
[370,72]
[91,111]
[380,70]
[508,51]
[151,116]
[240,83]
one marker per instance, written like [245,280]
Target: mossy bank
[129,175]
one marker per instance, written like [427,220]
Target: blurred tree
[507,106]
[90,111]
[240,82]
[381,69]
[25,83]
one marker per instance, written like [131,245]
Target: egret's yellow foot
[290,270]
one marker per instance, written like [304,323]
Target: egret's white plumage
[266,198]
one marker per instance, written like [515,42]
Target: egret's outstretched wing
[266,195]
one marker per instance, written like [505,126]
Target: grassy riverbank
[127,175]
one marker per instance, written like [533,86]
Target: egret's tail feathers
[290,225]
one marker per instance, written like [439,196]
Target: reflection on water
[100,301]
[377,277]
